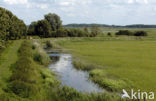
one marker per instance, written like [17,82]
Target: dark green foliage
[129,33]
[48,44]
[33,47]
[43,29]
[140,33]
[95,30]
[73,32]
[109,34]
[61,33]
[37,57]
[31,29]
[124,32]
[22,89]
[54,21]
[51,26]
[10,26]
[86,31]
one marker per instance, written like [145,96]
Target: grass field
[132,60]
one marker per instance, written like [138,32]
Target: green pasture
[130,60]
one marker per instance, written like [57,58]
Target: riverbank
[114,64]
[31,80]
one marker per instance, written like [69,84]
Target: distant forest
[114,26]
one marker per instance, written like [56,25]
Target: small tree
[43,28]
[54,21]
[95,30]
[140,33]
[31,29]
[124,32]
[109,34]
[86,31]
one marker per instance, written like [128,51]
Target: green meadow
[116,63]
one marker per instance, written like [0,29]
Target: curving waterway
[62,65]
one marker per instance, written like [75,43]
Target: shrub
[109,34]
[140,33]
[38,57]
[49,44]
[33,47]
[21,88]
[41,58]
[124,32]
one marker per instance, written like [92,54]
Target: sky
[112,12]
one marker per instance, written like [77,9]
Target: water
[69,76]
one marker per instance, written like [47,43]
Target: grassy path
[7,58]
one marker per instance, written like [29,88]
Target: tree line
[130,33]
[51,26]
[112,26]
[11,27]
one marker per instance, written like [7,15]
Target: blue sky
[118,12]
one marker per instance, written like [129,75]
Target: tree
[124,32]
[109,34]
[86,31]
[31,29]
[61,33]
[11,27]
[95,30]
[140,33]
[54,21]
[43,28]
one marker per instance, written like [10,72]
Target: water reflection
[69,76]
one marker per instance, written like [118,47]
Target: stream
[69,76]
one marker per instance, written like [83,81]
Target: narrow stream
[69,76]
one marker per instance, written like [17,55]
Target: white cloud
[43,6]
[87,11]
[64,3]
[130,1]
[138,1]
[11,2]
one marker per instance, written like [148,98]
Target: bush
[140,33]
[109,34]
[21,88]
[124,32]
[38,57]
[33,47]
[41,58]
[49,44]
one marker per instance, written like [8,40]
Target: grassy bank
[7,58]
[117,64]
[30,80]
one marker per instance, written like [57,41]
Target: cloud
[11,2]
[138,1]
[65,3]
[86,11]
[37,5]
